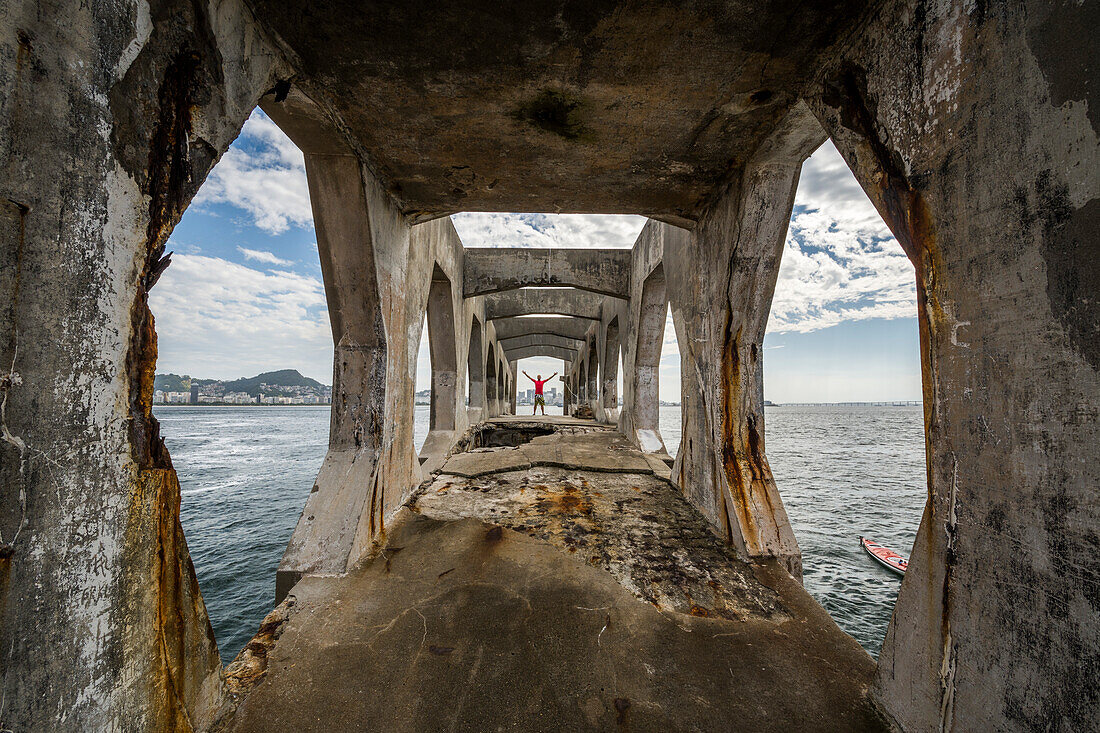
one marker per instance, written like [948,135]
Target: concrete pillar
[564,386]
[513,385]
[610,387]
[640,418]
[582,379]
[975,135]
[347,209]
[492,401]
[110,123]
[721,295]
[593,376]
[381,275]
[444,352]
[475,365]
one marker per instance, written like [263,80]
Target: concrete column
[610,387]
[109,127]
[492,400]
[582,379]
[345,490]
[594,376]
[640,418]
[475,364]
[513,385]
[975,135]
[720,292]
[721,295]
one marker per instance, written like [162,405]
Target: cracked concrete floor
[553,599]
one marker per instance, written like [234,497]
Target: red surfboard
[885,556]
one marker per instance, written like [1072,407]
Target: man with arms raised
[540,400]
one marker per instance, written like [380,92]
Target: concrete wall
[111,118]
[489,270]
[973,129]
[558,301]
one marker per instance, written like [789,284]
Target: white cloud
[218,319]
[548,230]
[840,262]
[262,256]
[264,174]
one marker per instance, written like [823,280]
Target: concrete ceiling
[556,105]
[573,328]
[558,301]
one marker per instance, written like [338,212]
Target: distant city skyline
[244,292]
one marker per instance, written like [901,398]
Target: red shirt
[538,384]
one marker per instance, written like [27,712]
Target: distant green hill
[281,378]
[172,383]
[251,385]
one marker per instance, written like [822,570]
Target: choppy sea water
[843,472]
[245,473]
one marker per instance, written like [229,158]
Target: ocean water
[245,473]
[842,472]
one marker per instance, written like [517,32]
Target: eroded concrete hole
[505,436]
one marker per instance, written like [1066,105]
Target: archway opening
[244,372]
[436,379]
[422,380]
[441,337]
[475,373]
[593,381]
[550,370]
[492,384]
[842,382]
[653,315]
[670,389]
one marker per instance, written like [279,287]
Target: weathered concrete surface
[111,115]
[583,448]
[479,110]
[541,339]
[540,301]
[491,270]
[574,328]
[973,129]
[720,292]
[558,599]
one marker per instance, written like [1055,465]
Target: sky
[244,292]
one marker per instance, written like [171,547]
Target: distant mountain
[290,380]
[172,383]
[281,378]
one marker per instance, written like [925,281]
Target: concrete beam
[552,352]
[574,328]
[538,339]
[535,301]
[491,270]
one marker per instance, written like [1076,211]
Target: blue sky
[244,291]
